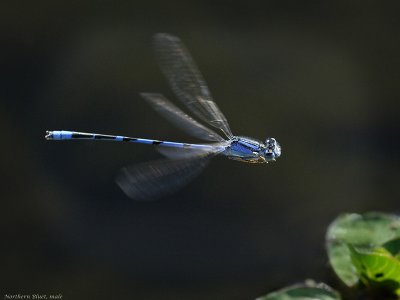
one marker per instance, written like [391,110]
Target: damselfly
[183,161]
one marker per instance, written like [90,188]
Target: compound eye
[270,141]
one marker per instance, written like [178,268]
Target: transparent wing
[187,82]
[148,181]
[179,118]
[179,153]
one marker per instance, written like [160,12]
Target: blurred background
[320,76]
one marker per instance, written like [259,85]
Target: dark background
[320,76]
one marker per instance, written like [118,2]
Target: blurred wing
[179,153]
[148,181]
[187,82]
[180,119]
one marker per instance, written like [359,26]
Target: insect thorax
[246,150]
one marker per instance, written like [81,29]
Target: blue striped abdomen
[74,135]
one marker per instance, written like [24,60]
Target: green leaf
[377,266]
[369,230]
[393,246]
[307,291]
